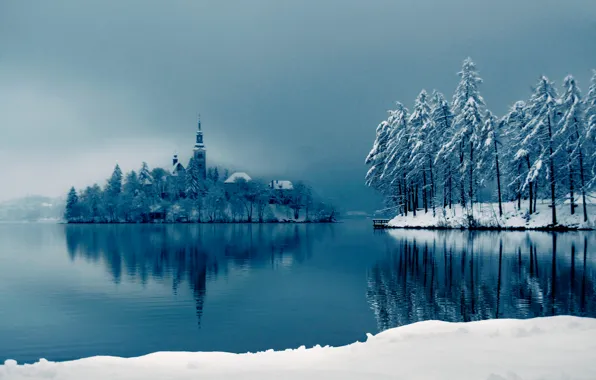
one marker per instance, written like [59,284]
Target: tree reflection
[466,276]
[190,254]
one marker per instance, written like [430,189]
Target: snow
[238,175]
[553,348]
[487,215]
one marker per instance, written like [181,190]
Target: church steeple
[199,139]
[199,151]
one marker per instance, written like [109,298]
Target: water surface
[71,291]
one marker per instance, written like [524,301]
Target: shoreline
[159,223]
[545,229]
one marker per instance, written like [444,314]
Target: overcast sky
[286,89]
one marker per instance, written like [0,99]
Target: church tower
[199,152]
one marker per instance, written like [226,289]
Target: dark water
[74,291]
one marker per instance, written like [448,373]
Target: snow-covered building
[281,185]
[238,176]
[199,155]
[177,166]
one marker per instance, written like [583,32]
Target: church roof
[177,167]
[238,175]
[281,185]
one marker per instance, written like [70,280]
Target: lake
[71,291]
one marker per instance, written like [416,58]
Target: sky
[285,89]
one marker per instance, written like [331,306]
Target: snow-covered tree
[112,193]
[396,166]
[540,133]
[72,210]
[467,107]
[590,106]
[423,148]
[194,182]
[573,133]
[442,120]
[518,152]
[145,178]
[376,159]
[489,153]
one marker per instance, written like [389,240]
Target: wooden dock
[380,223]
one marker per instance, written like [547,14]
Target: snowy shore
[552,348]
[486,216]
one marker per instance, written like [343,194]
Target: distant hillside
[32,209]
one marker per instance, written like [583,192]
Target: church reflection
[190,254]
[465,276]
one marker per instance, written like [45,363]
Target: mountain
[32,209]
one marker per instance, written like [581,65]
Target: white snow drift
[487,215]
[553,348]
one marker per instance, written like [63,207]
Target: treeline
[445,153]
[158,196]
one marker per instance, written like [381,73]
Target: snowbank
[545,348]
[486,215]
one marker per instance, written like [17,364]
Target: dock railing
[380,223]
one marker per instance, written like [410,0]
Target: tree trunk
[413,200]
[519,186]
[450,187]
[471,177]
[462,179]
[552,173]
[582,178]
[432,186]
[583,184]
[530,190]
[571,194]
[405,196]
[424,192]
[498,178]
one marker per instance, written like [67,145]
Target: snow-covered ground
[487,215]
[553,348]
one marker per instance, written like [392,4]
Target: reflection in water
[190,253]
[466,276]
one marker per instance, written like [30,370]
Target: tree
[540,133]
[396,164]
[112,193]
[215,200]
[423,149]
[114,186]
[72,210]
[590,117]
[490,151]
[194,183]
[442,120]
[145,178]
[518,151]
[297,198]
[572,129]
[467,107]
[376,159]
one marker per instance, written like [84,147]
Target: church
[199,155]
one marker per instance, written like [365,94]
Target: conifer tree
[572,129]
[540,134]
[467,107]
[71,212]
[423,143]
[396,165]
[489,150]
[442,119]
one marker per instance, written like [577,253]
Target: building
[238,176]
[200,153]
[199,156]
[281,185]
